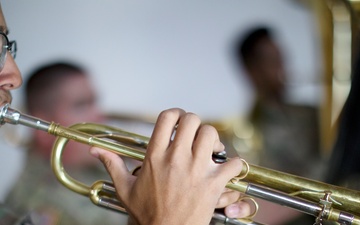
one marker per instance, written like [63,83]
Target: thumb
[238,209]
[117,169]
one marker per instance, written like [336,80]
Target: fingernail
[233,211]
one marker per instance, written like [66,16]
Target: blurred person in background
[61,92]
[285,136]
[288,133]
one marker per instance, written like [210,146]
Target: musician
[10,79]
[178,183]
[286,136]
[289,133]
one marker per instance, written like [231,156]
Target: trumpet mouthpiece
[12,116]
[4,114]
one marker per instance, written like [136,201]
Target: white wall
[150,55]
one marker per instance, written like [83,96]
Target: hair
[40,87]
[246,44]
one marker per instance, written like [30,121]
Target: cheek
[68,118]
[76,118]
[84,116]
[71,111]
[89,113]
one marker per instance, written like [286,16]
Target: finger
[207,139]
[239,209]
[230,169]
[227,198]
[219,146]
[117,169]
[164,128]
[186,131]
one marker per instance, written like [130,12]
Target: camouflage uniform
[39,193]
[291,140]
[8,217]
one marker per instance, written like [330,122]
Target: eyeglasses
[6,46]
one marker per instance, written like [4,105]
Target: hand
[178,182]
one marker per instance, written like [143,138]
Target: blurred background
[146,56]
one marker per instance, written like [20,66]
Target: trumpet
[323,201]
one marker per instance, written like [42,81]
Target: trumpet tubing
[323,201]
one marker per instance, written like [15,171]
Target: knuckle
[107,162]
[192,117]
[169,114]
[209,130]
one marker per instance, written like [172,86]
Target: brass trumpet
[323,201]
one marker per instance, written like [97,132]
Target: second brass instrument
[323,201]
